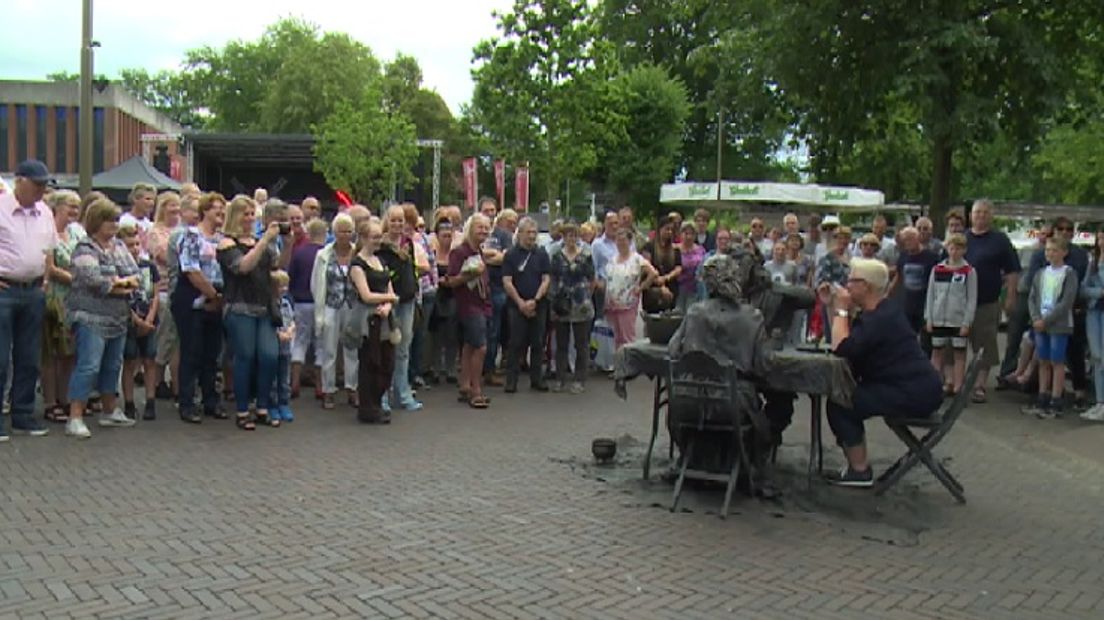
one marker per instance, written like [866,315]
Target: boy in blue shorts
[1050,305]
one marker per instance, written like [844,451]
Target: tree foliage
[365,150]
[542,89]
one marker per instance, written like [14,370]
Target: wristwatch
[843,313]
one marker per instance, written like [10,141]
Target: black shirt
[252,289]
[527,268]
[501,240]
[992,256]
[914,271]
[377,278]
[401,267]
[883,349]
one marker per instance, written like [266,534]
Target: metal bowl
[660,327]
[603,449]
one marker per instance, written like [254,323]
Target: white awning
[733,193]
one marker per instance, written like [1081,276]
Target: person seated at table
[894,376]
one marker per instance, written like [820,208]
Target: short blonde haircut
[232,227]
[344,220]
[872,271]
[63,197]
[141,188]
[505,215]
[99,213]
[316,228]
[957,239]
[163,199]
[280,278]
[128,231]
[208,201]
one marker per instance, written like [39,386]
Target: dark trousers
[1075,354]
[564,332]
[778,407]
[526,333]
[873,399]
[200,341]
[1018,323]
[376,365]
[494,333]
[21,314]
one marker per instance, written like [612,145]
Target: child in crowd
[285,332]
[1050,305]
[949,310]
[141,340]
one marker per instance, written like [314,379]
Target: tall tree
[541,89]
[655,108]
[363,149]
[970,67]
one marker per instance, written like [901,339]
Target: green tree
[655,108]
[364,150]
[166,92]
[969,67]
[542,90]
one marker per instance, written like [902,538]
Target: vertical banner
[521,189]
[500,182]
[470,181]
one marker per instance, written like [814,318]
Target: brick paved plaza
[451,512]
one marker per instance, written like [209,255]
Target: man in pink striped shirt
[27,235]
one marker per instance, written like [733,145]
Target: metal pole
[84,157]
[720,142]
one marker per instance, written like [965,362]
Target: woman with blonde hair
[372,284]
[166,219]
[399,255]
[467,275]
[247,266]
[333,298]
[57,339]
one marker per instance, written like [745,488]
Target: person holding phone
[251,316]
[98,311]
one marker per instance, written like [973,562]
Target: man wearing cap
[27,233]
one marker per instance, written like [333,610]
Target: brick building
[40,120]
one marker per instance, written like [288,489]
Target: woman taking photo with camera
[247,266]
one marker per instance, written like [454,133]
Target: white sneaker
[117,418]
[1094,414]
[77,428]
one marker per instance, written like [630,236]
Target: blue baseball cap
[34,170]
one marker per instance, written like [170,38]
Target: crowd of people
[190,289]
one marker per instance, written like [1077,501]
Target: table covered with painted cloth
[819,374]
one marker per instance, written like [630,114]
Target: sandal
[58,414]
[479,401]
[327,401]
[266,420]
[245,422]
[354,399]
[464,396]
[979,396]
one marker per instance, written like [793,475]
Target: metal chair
[920,448]
[697,380]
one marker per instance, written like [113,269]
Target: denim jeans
[283,380]
[200,343]
[1094,327]
[421,336]
[400,378]
[498,315]
[21,314]
[256,353]
[565,333]
[98,365]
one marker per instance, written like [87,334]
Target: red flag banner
[500,182]
[521,189]
[470,188]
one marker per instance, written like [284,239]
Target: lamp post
[84,156]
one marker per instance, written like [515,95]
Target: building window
[97,140]
[20,133]
[40,133]
[4,165]
[61,128]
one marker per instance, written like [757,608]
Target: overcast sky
[42,36]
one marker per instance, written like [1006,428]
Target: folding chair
[697,380]
[920,448]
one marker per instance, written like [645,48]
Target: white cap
[830,220]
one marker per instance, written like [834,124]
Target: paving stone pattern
[456,513]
